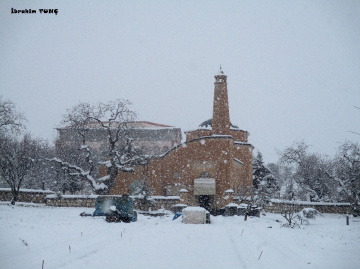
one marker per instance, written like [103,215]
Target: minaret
[221,117]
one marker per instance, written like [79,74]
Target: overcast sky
[293,67]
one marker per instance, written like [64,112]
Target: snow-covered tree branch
[10,118]
[74,170]
[113,118]
[266,186]
[17,158]
[310,171]
[347,170]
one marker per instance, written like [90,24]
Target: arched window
[165,149]
[143,150]
[157,150]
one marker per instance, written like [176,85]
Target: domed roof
[220,72]
[208,124]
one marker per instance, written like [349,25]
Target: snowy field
[63,239]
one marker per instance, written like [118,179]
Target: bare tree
[14,161]
[11,120]
[64,182]
[289,212]
[353,131]
[294,218]
[119,153]
[17,158]
[347,167]
[42,174]
[311,172]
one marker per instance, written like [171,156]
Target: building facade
[152,138]
[213,164]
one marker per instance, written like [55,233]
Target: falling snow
[159,242]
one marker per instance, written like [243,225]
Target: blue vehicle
[115,208]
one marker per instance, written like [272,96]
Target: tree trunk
[15,198]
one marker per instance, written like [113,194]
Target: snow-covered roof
[194,208]
[307,203]
[165,197]
[238,161]
[242,143]
[208,124]
[187,142]
[205,180]
[180,205]
[83,196]
[220,73]
[72,196]
[130,125]
[231,205]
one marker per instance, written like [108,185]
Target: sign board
[204,186]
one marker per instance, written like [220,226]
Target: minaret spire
[221,117]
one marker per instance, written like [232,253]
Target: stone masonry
[211,163]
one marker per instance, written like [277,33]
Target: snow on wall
[25,195]
[27,190]
[277,206]
[308,203]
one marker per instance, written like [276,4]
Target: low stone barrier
[278,206]
[52,199]
[25,195]
[71,200]
[156,203]
[159,202]
[153,203]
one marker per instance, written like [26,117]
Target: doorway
[205,201]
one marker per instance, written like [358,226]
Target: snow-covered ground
[63,239]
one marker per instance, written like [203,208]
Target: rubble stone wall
[154,203]
[71,202]
[214,156]
[27,196]
[159,202]
[336,208]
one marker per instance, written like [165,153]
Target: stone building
[152,138]
[213,164]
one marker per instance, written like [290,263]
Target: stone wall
[154,203]
[159,202]
[25,195]
[213,155]
[71,200]
[279,206]
[52,199]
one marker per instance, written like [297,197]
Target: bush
[310,213]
